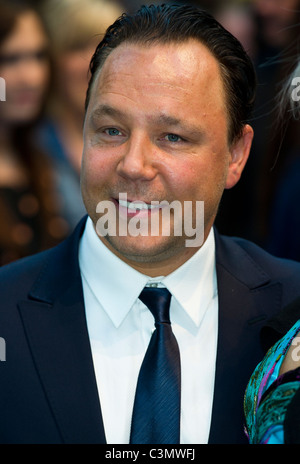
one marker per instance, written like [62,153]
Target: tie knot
[158,302]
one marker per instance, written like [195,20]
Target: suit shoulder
[263,256]
[245,257]
[17,277]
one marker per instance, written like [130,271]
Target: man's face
[156,129]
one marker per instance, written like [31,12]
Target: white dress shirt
[120,327]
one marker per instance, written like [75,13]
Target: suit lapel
[245,294]
[55,324]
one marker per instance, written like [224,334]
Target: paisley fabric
[268,395]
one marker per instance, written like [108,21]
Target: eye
[113,132]
[173,138]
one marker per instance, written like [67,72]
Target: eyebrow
[159,119]
[106,110]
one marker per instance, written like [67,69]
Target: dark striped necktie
[156,411]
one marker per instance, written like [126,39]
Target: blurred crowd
[45,49]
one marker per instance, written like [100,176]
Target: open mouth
[136,207]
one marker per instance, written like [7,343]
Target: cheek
[185,185]
[96,171]
[203,178]
[186,178]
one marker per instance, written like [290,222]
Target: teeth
[135,205]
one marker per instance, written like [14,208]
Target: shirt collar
[99,267]
[194,284]
[115,284]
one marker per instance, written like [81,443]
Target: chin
[144,249]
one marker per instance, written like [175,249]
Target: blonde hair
[72,24]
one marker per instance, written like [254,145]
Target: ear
[239,151]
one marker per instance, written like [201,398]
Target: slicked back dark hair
[171,23]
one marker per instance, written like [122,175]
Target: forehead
[186,74]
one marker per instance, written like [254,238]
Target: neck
[163,267]
[157,265]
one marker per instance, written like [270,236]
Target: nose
[138,159]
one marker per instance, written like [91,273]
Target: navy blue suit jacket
[48,391]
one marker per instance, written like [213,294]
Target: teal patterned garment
[268,394]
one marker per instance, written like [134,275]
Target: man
[166,112]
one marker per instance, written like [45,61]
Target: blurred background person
[265,214]
[280,173]
[75,27]
[283,189]
[236,16]
[29,211]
